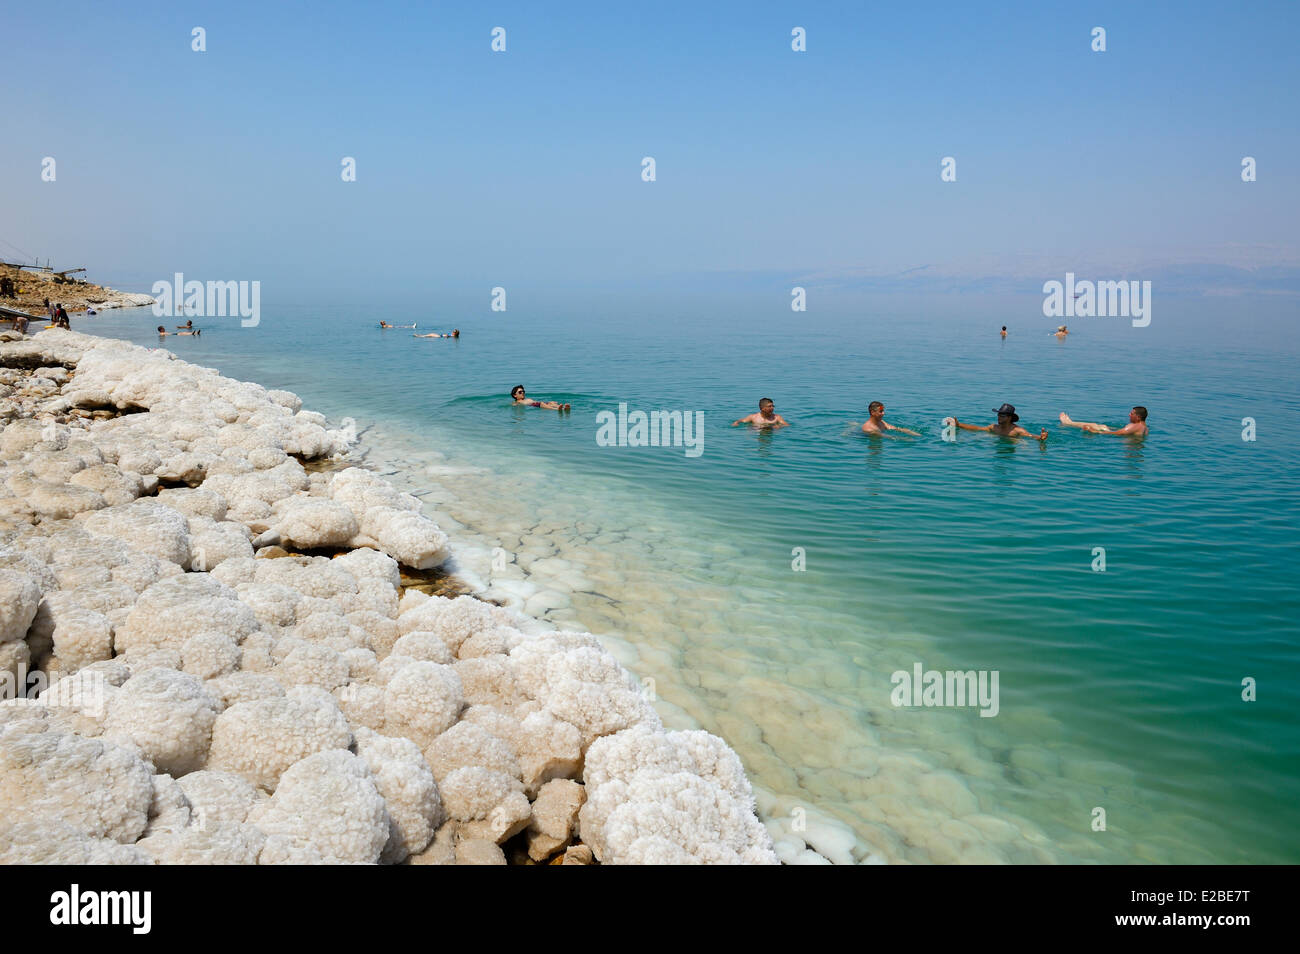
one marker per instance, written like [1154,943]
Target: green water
[1119,690]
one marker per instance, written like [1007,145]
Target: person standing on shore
[49,310]
[876,423]
[1005,427]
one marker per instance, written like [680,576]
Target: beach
[213,657]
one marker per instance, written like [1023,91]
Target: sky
[479,168]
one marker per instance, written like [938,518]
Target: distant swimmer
[1006,425]
[162,332]
[766,416]
[1061,331]
[1004,331]
[188,326]
[384,324]
[1136,426]
[876,423]
[454,334]
[519,396]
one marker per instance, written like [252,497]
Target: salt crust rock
[259,675]
[172,610]
[168,715]
[50,841]
[422,701]
[670,798]
[327,806]
[261,739]
[218,797]
[412,803]
[20,595]
[101,789]
[148,526]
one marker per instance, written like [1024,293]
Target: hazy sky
[476,167]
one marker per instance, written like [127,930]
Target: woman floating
[520,397]
[454,334]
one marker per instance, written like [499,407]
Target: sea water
[1135,599]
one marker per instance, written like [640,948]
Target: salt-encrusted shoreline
[217,701]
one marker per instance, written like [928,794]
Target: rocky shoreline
[32,287]
[221,655]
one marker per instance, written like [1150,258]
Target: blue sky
[477,167]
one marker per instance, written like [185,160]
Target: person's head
[1004,327]
[1006,415]
[766,407]
[189,323]
[455,332]
[517,392]
[162,330]
[876,409]
[1060,329]
[1139,413]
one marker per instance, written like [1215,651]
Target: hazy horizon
[523,168]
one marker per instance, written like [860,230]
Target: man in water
[766,416]
[876,423]
[1004,331]
[1005,427]
[519,396]
[1061,331]
[1136,426]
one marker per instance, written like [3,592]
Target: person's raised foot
[1065,418]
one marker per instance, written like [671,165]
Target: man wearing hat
[1006,425]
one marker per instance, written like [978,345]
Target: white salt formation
[189,692]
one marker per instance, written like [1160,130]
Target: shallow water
[1119,690]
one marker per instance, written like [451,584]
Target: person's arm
[749,419]
[904,430]
[1021,432]
[1126,429]
[781,422]
[972,427]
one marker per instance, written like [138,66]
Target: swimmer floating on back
[1136,426]
[519,396]
[454,334]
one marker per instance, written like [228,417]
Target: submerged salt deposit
[210,698]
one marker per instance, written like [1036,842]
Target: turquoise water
[1118,689]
